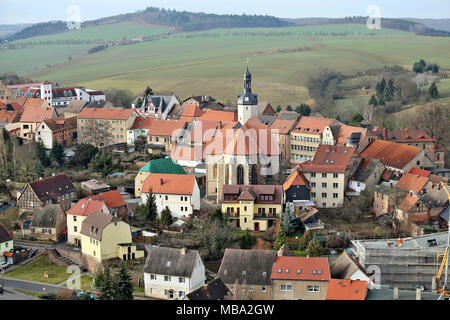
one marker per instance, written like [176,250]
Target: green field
[212,62]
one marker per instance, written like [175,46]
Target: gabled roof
[312,125]
[345,289]
[301,268]
[412,182]
[219,116]
[60,123]
[4,235]
[343,267]
[247,266]
[266,108]
[51,187]
[390,153]
[46,217]
[408,203]
[142,123]
[165,127]
[253,192]
[407,135]
[330,159]
[420,172]
[8,116]
[170,261]
[296,178]
[283,126]
[346,131]
[36,113]
[86,206]
[105,113]
[113,198]
[95,223]
[169,183]
[163,165]
[192,111]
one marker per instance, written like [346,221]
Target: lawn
[34,271]
[86,282]
[300,253]
[212,62]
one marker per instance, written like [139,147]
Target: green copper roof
[166,165]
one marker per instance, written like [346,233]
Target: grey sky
[18,11]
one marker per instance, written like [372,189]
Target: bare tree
[98,133]
[434,119]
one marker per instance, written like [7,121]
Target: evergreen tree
[303,109]
[99,278]
[83,154]
[148,91]
[279,108]
[307,237]
[123,288]
[148,211]
[41,154]
[433,92]
[280,239]
[389,91]
[380,87]
[107,288]
[246,241]
[373,101]
[102,163]
[289,220]
[166,217]
[314,248]
[57,153]
[356,119]
[288,108]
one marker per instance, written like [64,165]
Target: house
[203,102]
[114,201]
[418,138]
[346,289]
[328,174]
[6,243]
[296,187]
[216,115]
[308,134]
[429,185]
[395,156]
[300,278]
[386,199]
[35,111]
[59,129]
[165,132]
[94,186]
[139,128]
[163,165]
[49,223]
[5,93]
[191,113]
[419,209]
[282,131]
[215,290]
[344,267]
[57,189]
[104,237]
[177,192]
[8,116]
[172,273]
[253,207]
[349,136]
[266,108]
[366,177]
[246,273]
[78,213]
[115,122]
[158,107]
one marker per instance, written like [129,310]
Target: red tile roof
[313,125]
[301,268]
[296,178]
[34,112]
[113,199]
[219,116]
[345,131]
[192,111]
[420,172]
[390,153]
[253,193]
[106,113]
[406,135]
[8,116]
[283,126]
[204,130]
[86,206]
[192,153]
[165,127]
[329,159]
[412,182]
[171,183]
[346,289]
[408,203]
[142,123]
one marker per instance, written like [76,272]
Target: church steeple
[247,102]
[248,81]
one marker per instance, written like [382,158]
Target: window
[286,287]
[313,174]
[313,184]
[167,278]
[251,288]
[75,229]
[324,184]
[324,175]
[263,288]
[74,218]
[335,185]
[181,280]
[313,194]
[335,195]
[335,175]
[324,195]
[313,289]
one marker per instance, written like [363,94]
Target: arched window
[240,174]
[215,171]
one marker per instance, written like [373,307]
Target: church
[241,153]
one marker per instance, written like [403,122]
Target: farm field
[212,62]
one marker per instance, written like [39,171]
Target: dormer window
[168,263]
[299,271]
[244,273]
[279,270]
[286,271]
[314,271]
[225,272]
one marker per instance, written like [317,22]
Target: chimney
[162,182]
[385,133]
[395,293]
[183,251]
[418,294]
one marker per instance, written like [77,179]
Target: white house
[158,106]
[6,244]
[172,273]
[344,267]
[177,192]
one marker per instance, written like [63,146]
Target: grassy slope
[35,269]
[213,65]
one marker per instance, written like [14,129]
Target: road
[30,285]
[9,294]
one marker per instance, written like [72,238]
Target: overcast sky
[26,11]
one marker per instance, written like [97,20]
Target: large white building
[172,273]
[177,192]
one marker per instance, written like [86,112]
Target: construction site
[407,263]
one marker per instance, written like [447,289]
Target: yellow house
[253,207]
[103,236]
